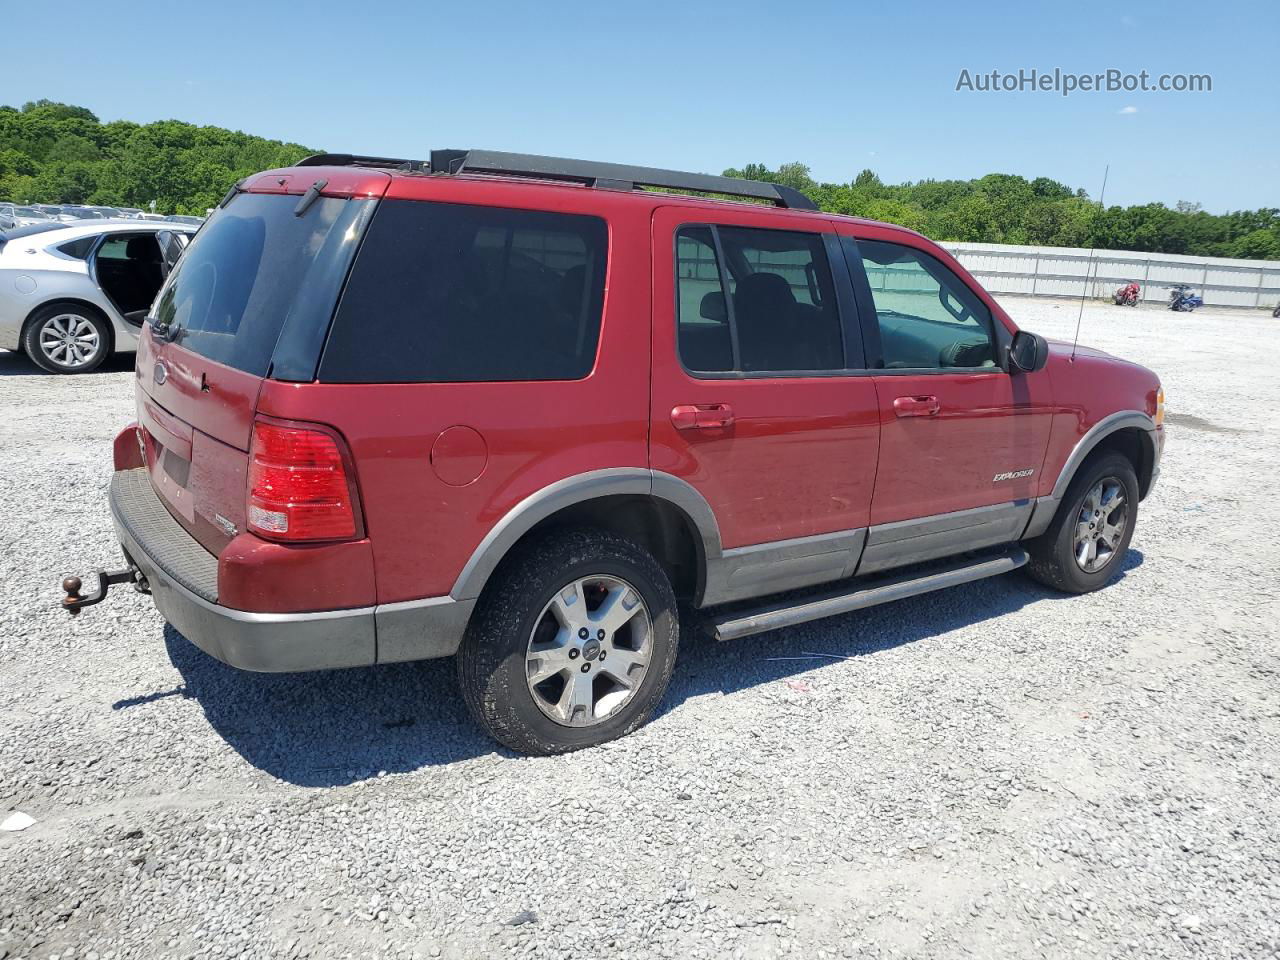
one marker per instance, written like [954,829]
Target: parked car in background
[389,410]
[53,211]
[183,218]
[14,216]
[70,294]
[84,213]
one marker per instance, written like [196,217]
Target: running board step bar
[744,623]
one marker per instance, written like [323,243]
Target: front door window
[928,318]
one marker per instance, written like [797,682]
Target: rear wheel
[1085,544]
[67,338]
[572,644]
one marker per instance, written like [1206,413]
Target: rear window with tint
[250,267]
[80,249]
[445,292]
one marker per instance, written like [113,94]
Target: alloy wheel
[1100,525]
[69,340]
[589,650]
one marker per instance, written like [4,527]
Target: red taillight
[298,485]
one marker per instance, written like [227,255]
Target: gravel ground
[993,771]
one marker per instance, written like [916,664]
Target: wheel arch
[662,513]
[78,303]
[1138,447]
[1130,432]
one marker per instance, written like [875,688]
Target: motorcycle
[1128,295]
[1180,298]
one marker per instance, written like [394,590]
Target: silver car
[70,294]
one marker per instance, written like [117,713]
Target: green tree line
[58,153]
[1002,208]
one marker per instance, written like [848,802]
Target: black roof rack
[612,176]
[356,160]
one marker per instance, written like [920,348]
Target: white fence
[1062,272]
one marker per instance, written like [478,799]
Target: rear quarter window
[445,292]
[255,266]
[79,249]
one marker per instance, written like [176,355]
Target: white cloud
[1127,110]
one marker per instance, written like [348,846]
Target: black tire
[1053,560]
[492,659]
[50,314]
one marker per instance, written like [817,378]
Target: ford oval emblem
[159,373]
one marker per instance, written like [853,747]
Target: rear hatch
[251,298]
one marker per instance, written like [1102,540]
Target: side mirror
[1029,352]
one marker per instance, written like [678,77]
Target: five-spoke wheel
[589,651]
[1088,537]
[1101,524]
[572,643]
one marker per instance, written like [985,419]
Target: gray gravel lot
[993,771]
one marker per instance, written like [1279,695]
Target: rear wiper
[309,197]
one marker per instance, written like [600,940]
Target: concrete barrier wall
[1062,272]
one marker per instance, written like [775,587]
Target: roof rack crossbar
[356,160]
[613,176]
[616,176]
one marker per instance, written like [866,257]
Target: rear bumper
[183,580]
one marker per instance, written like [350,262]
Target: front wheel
[572,643]
[1086,542]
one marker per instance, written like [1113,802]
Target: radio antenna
[1089,264]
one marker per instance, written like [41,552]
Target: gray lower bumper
[270,642]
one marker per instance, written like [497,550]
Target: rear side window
[80,249]
[254,265]
[751,301]
[445,292]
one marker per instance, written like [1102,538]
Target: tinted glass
[778,313]
[447,292]
[702,320]
[246,270]
[79,248]
[928,318]
[171,247]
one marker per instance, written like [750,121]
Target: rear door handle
[916,406]
[702,416]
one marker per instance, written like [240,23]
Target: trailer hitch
[73,602]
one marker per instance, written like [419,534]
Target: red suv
[523,411]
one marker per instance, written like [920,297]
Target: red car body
[742,485]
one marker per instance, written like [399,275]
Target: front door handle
[702,416]
[916,406]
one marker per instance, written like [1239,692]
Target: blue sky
[698,86]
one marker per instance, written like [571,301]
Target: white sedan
[70,294]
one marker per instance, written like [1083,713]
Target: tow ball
[74,602]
